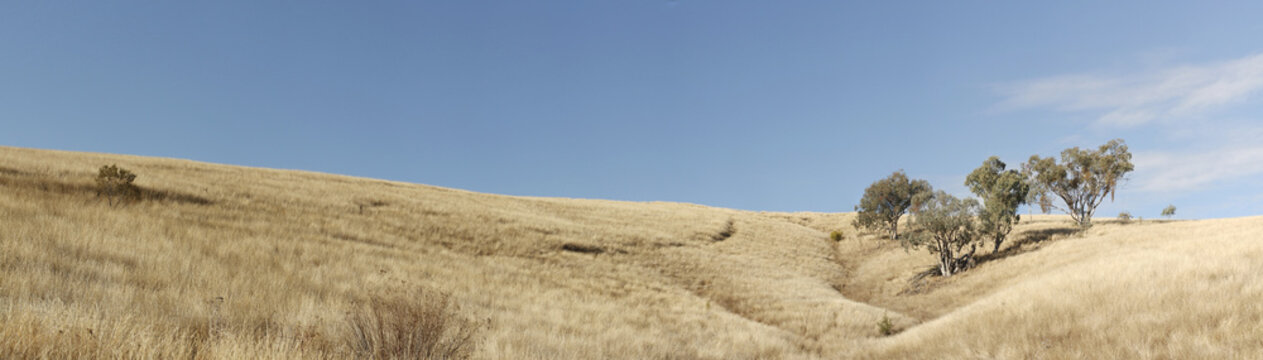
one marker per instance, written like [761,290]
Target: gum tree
[1082,179]
[1002,192]
[947,226]
[886,200]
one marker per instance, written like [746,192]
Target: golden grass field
[228,262]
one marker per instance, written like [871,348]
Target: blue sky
[781,106]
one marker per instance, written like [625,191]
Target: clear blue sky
[759,105]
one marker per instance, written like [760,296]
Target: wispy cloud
[1174,172]
[1137,99]
[1180,102]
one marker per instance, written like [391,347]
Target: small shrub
[1124,217]
[113,181]
[1169,211]
[885,326]
[414,325]
[836,235]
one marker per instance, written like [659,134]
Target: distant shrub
[1169,211]
[416,325]
[116,182]
[1124,217]
[836,235]
[885,326]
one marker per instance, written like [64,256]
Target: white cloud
[1203,149]
[1138,99]
[1170,172]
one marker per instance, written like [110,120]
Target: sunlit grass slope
[232,262]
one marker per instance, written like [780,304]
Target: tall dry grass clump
[411,324]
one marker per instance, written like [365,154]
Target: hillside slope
[233,262]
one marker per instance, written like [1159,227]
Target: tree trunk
[966,261]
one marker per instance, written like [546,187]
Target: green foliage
[1124,217]
[947,227]
[885,326]
[113,181]
[1169,211]
[886,200]
[1082,179]
[836,235]
[1037,190]
[1002,191]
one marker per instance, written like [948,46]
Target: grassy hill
[232,262]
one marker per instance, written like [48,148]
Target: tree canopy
[947,226]
[886,200]
[1169,211]
[1001,191]
[1082,179]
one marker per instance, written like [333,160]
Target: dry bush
[417,324]
[113,181]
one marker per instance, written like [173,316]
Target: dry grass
[413,324]
[232,262]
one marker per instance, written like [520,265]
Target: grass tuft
[413,325]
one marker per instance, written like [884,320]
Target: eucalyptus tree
[1082,179]
[1169,211]
[1002,192]
[946,226]
[888,199]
